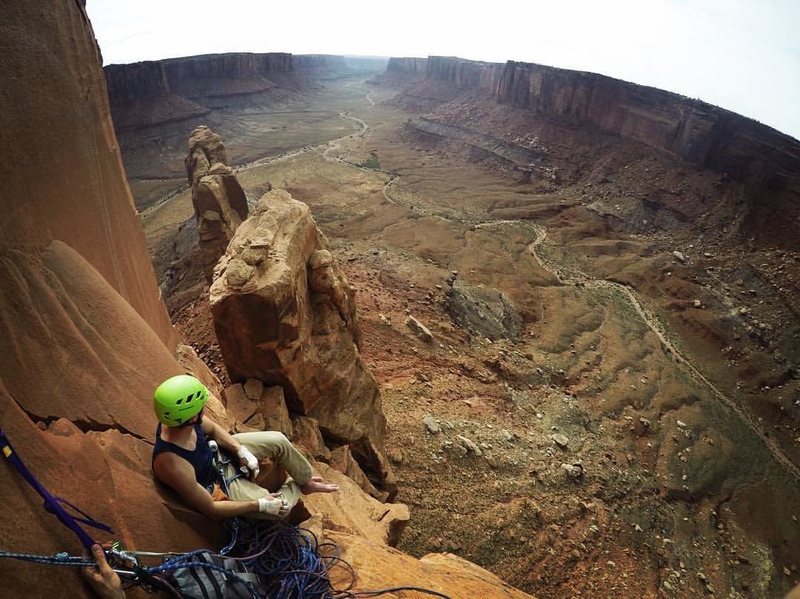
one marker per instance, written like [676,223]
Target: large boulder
[483,310]
[220,204]
[285,314]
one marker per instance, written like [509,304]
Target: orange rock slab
[379,567]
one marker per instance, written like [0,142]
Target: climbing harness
[263,560]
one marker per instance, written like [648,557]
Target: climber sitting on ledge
[183,460]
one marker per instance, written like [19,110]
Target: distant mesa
[691,130]
[151,93]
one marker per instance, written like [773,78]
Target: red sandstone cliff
[83,332]
[62,176]
[691,130]
[159,91]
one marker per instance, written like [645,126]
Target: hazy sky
[743,55]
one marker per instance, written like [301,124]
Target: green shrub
[371,162]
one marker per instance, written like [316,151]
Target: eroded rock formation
[285,314]
[219,201]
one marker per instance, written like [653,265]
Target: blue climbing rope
[59,559]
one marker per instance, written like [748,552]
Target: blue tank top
[200,458]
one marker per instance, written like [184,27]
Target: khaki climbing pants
[276,447]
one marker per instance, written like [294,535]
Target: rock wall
[146,80]
[137,81]
[175,90]
[234,65]
[690,130]
[285,314]
[251,73]
[415,66]
[84,335]
[219,201]
[302,62]
[62,174]
[462,72]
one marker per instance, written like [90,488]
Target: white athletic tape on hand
[252,462]
[274,506]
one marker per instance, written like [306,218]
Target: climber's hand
[104,580]
[274,505]
[248,462]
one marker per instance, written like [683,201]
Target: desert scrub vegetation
[372,162]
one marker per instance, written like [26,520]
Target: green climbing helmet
[178,399]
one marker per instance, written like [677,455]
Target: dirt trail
[163,200]
[389,198]
[576,277]
[336,143]
[657,328]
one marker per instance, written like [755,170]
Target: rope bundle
[286,560]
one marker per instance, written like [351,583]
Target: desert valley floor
[609,404]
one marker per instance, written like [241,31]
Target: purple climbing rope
[54,505]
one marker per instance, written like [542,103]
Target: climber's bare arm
[214,431]
[178,474]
